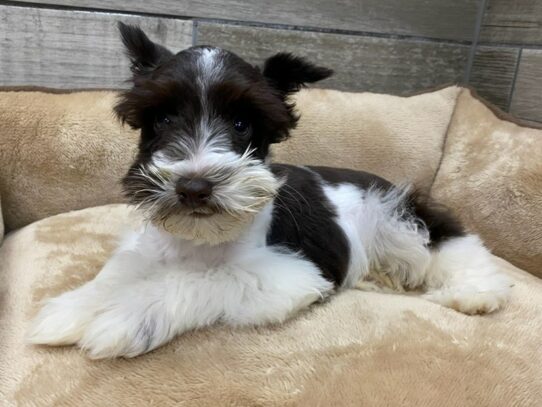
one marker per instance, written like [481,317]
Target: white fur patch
[209,63]
[383,245]
[210,67]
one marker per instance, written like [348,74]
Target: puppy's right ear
[144,54]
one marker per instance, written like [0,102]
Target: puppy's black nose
[194,192]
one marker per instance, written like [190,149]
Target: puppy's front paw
[121,331]
[62,320]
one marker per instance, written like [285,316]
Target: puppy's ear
[289,73]
[143,53]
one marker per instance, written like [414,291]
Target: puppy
[231,238]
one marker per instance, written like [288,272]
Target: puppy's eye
[162,120]
[241,125]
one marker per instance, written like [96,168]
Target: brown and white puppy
[232,238]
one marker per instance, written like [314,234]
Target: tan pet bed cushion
[491,175]
[357,349]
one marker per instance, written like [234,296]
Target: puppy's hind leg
[463,276]
[418,245]
[395,244]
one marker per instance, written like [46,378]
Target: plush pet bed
[64,151]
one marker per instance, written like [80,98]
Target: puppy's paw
[61,321]
[122,331]
[471,299]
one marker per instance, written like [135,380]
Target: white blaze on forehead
[209,64]
[207,58]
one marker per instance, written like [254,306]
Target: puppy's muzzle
[194,192]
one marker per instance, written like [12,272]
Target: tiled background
[392,46]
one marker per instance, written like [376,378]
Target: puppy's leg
[63,319]
[275,285]
[394,243]
[258,286]
[462,276]
[456,271]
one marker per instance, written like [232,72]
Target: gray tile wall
[391,46]
[507,68]
[361,63]
[67,49]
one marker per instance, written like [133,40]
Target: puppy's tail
[461,275]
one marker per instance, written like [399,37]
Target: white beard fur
[249,186]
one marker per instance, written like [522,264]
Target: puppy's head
[207,119]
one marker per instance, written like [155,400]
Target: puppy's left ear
[288,73]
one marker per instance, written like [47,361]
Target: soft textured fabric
[64,151]
[398,138]
[59,152]
[357,349]
[491,175]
